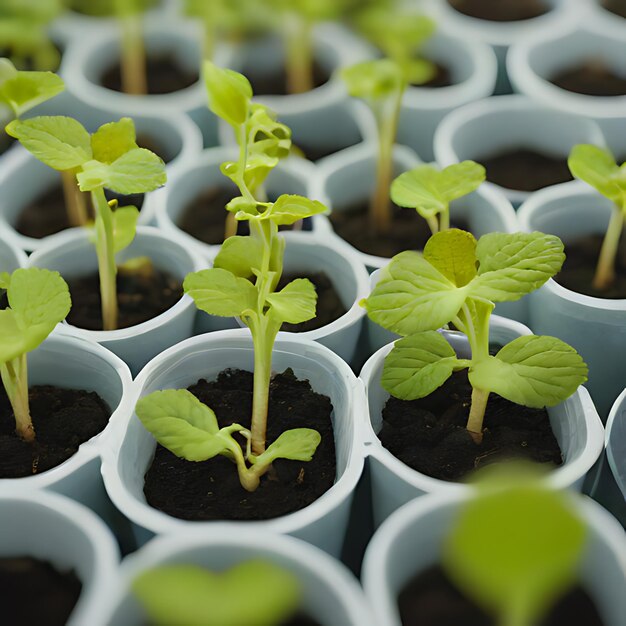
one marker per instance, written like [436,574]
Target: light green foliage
[458,280]
[515,548]
[373,80]
[229,93]
[430,191]
[255,593]
[108,8]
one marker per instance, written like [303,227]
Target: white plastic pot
[594,326]
[483,129]
[575,424]
[331,594]
[616,441]
[411,541]
[51,528]
[129,451]
[72,254]
[11,257]
[533,62]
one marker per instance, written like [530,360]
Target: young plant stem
[106,259]
[133,59]
[444,219]
[14,375]
[299,49]
[433,224]
[605,270]
[477,414]
[74,200]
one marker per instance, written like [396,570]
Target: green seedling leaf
[453,253]
[60,142]
[298,444]
[515,551]
[240,256]
[291,209]
[254,593]
[373,80]
[239,205]
[266,135]
[431,191]
[229,93]
[418,365]
[597,167]
[535,371]
[124,227]
[5,279]
[295,303]
[113,140]
[218,292]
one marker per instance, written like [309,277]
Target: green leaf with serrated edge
[418,365]
[295,303]
[535,371]
[5,279]
[298,444]
[22,91]
[597,167]
[241,205]
[453,253]
[373,79]
[516,580]
[289,209]
[512,265]
[218,292]
[60,142]
[137,171]
[113,140]
[413,296]
[254,593]
[239,255]
[124,227]
[229,93]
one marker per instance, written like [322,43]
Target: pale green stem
[477,414]
[208,40]
[433,224]
[605,271]
[14,375]
[106,259]
[133,68]
[444,219]
[74,200]
[299,49]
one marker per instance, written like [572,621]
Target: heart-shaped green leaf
[295,303]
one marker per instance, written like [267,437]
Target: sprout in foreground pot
[430,191]
[109,158]
[253,592]
[242,284]
[597,167]
[38,301]
[458,280]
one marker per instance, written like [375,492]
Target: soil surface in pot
[329,305]
[430,599]
[501,10]
[33,592]
[6,141]
[210,490]
[275,83]
[300,620]
[592,78]
[164,75]
[409,231]
[526,170]
[62,418]
[581,258]
[442,77]
[429,435]
[318,152]
[615,6]
[140,298]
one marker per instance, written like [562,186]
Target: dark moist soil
[164,75]
[430,599]
[316,153]
[581,258]
[6,141]
[210,490]
[301,620]
[526,170]
[276,84]
[140,298]
[592,78]
[329,305]
[442,78]
[615,6]
[429,435]
[62,418]
[500,10]
[409,231]
[32,592]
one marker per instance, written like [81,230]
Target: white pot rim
[19,256]
[161,523]
[610,423]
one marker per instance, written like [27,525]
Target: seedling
[109,158]
[24,33]
[381,84]
[597,167]
[430,191]
[133,61]
[255,593]
[458,279]
[515,547]
[38,301]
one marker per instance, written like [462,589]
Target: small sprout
[458,279]
[109,158]
[381,84]
[133,61]
[255,593]
[38,301]
[515,547]
[430,191]
[597,167]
